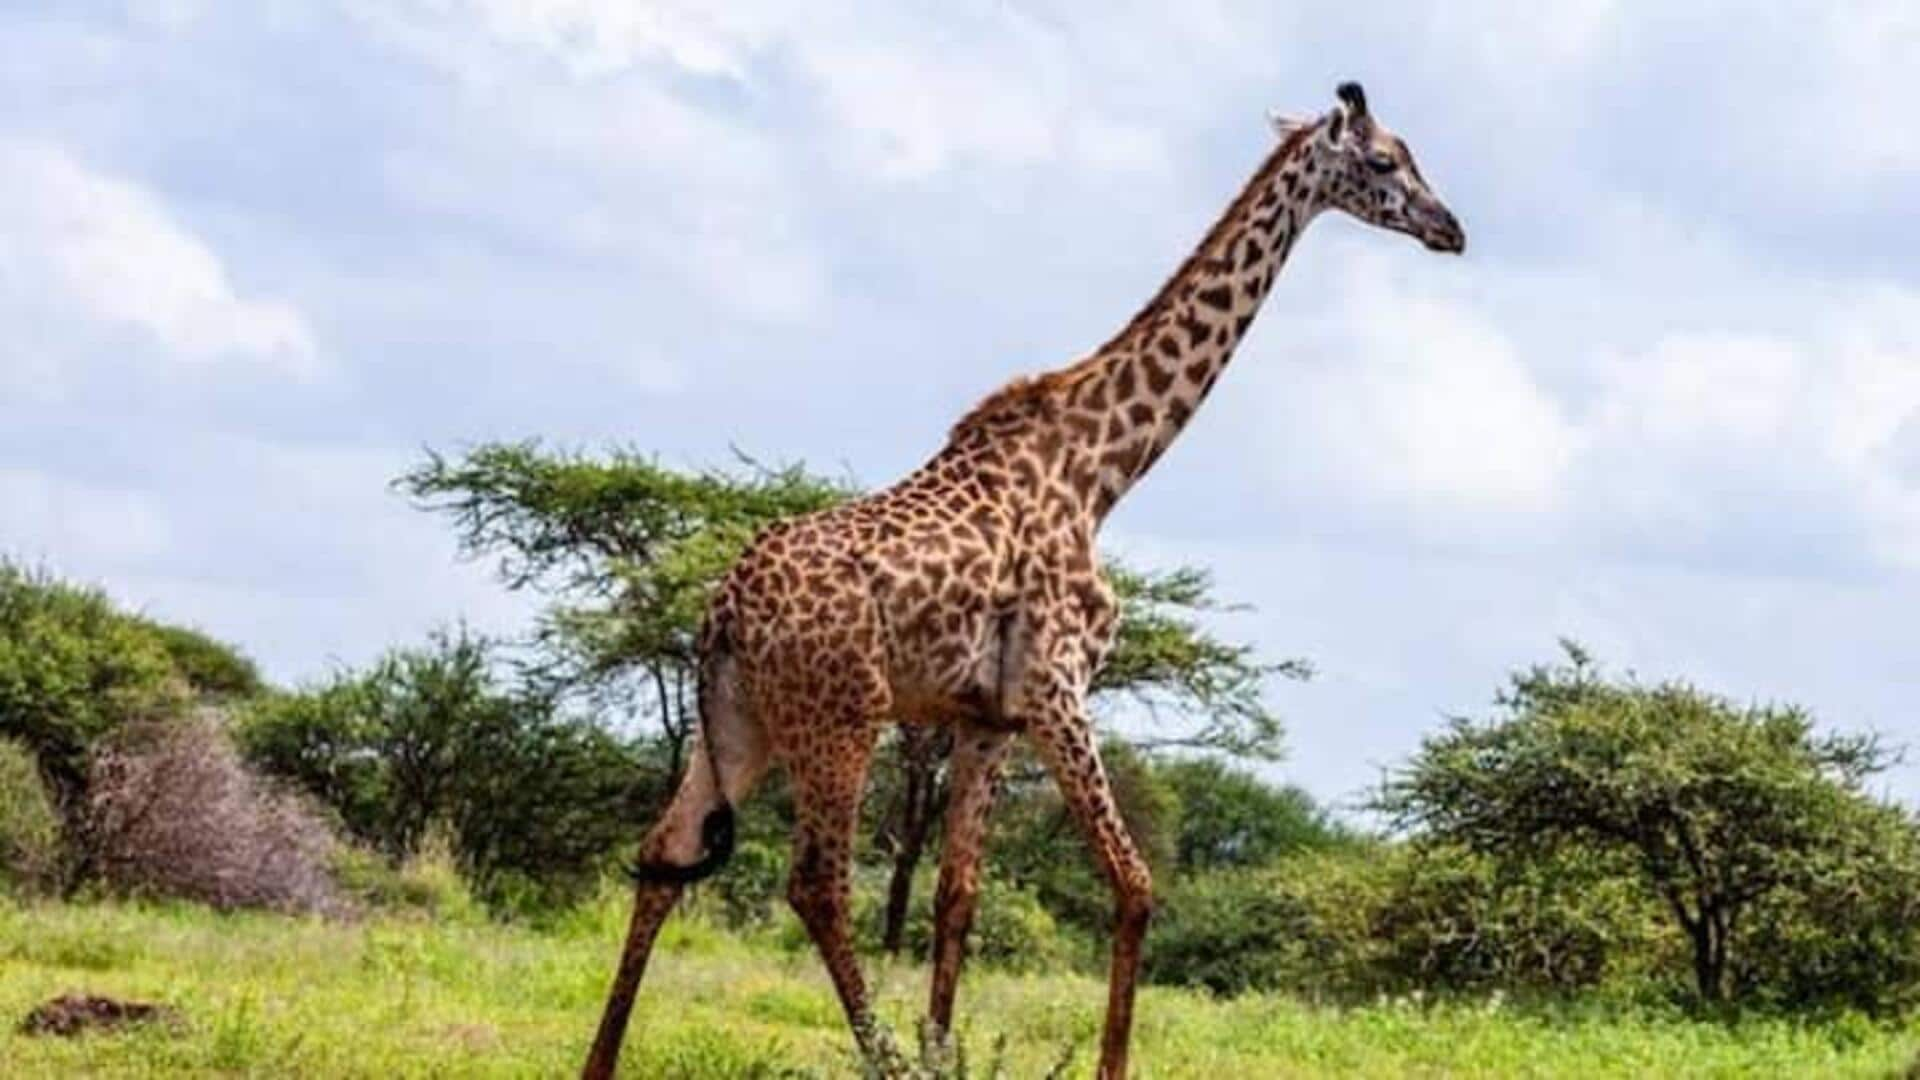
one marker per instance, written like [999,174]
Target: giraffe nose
[1445,233]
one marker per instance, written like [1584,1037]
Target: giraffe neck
[1144,385]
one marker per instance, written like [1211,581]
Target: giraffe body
[969,595]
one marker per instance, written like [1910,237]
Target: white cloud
[81,247]
[905,96]
[1400,398]
[1707,435]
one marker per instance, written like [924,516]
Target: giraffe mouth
[1443,233]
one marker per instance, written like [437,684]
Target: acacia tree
[625,548]
[1719,806]
[628,549]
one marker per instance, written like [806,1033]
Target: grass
[270,996]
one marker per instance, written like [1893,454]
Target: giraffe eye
[1382,163]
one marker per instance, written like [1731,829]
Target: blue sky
[254,256]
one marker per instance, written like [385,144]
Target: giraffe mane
[1027,395]
[1024,395]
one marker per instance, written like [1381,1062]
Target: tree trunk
[906,860]
[1709,935]
[921,753]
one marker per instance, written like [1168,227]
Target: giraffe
[968,595]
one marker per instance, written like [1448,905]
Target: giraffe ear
[1354,98]
[1284,126]
[1349,115]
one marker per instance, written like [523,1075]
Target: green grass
[269,996]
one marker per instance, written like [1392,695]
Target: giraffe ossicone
[969,595]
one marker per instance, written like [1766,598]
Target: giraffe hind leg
[828,782]
[978,754]
[690,840]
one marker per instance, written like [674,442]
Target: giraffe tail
[717,828]
[716,835]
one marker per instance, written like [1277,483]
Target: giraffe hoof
[938,1055]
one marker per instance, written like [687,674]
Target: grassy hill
[270,996]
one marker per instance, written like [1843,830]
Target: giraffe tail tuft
[716,835]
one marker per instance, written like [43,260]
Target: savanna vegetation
[412,866]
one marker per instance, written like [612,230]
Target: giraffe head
[1370,173]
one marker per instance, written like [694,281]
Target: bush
[1452,920]
[1718,808]
[534,802]
[427,886]
[1011,930]
[1230,818]
[1355,923]
[73,670]
[214,669]
[1235,931]
[1849,937]
[173,811]
[752,888]
[29,828]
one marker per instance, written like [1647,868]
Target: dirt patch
[75,1014]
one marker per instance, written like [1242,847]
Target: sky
[256,257]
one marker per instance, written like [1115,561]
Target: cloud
[903,96]
[81,250]
[1403,399]
[1726,440]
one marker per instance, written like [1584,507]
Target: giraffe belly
[970,685]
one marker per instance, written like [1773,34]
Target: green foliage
[1232,932]
[1450,919]
[29,828]
[1036,845]
[628,547]
[427,886]
[1361,920]
[1718,807]
[1012,929]
[212,668]
[534,800]
[1848,935]
[1164,659]
[73,669]
[1231,818]
[751,889]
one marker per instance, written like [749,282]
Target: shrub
[1354,923]
[214,669]
[1230,818]
[29,828]
[534,801]
[1231,932]
[1011,929]
[1449,919]
[751,890]
[1849,937]
[428,885]
[173,811]
[73,670]
[1718,807]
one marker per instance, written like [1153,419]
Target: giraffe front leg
[1063,737]
[978,754]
